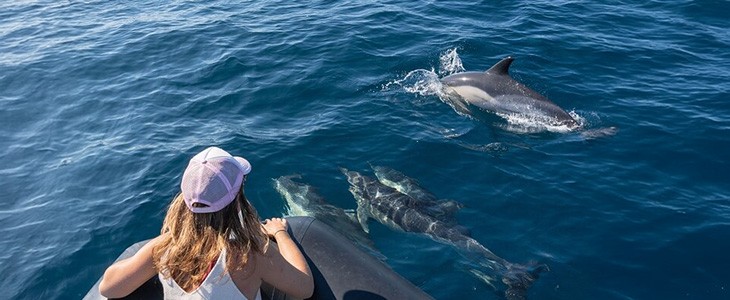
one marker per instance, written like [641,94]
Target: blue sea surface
[102,103]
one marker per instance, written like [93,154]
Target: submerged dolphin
[496,91]
[396,210]
[402,183]
[443,209]
[303,200]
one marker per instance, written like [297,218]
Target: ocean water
[103,102]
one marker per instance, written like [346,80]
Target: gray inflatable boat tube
[341,270]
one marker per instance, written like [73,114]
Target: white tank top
[217,285]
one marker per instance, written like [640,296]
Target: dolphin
[303,200]
[442,209]
[403,183]
[496,91]
[395,210]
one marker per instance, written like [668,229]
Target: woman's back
[219,284]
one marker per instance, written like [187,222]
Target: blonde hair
[192,241]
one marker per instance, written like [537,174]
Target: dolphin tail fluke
[519,278]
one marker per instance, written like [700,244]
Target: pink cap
[213,178]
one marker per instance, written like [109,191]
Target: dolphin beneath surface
[442,209]
[402,183]
[496,91]
[303,200]
[400,212]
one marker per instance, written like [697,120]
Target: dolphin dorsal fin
[444,210]
[502,67]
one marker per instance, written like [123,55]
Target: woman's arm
[286,268]
[125,276]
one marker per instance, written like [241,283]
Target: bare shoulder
[146,251]
[270,255]
[246,265]
[155,241]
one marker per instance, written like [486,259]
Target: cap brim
[245,165]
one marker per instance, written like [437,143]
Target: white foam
[427,82]
[533,123]
[450,63]
[421,81]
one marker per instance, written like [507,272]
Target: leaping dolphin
[496,91]
[396,210]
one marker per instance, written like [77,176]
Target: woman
[212,245]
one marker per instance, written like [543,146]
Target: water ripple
[103,103]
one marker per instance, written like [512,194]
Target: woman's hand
[274,226]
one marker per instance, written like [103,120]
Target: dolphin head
[300,198]
[363,188]
[470,86]
[284,183]
[357,179]
[357,186]
[463,78]
[288,187]
[388,175]
[354,178]
[465,83]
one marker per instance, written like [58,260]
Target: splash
[427,82]
[533,123]
[422,82]
[450,63]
